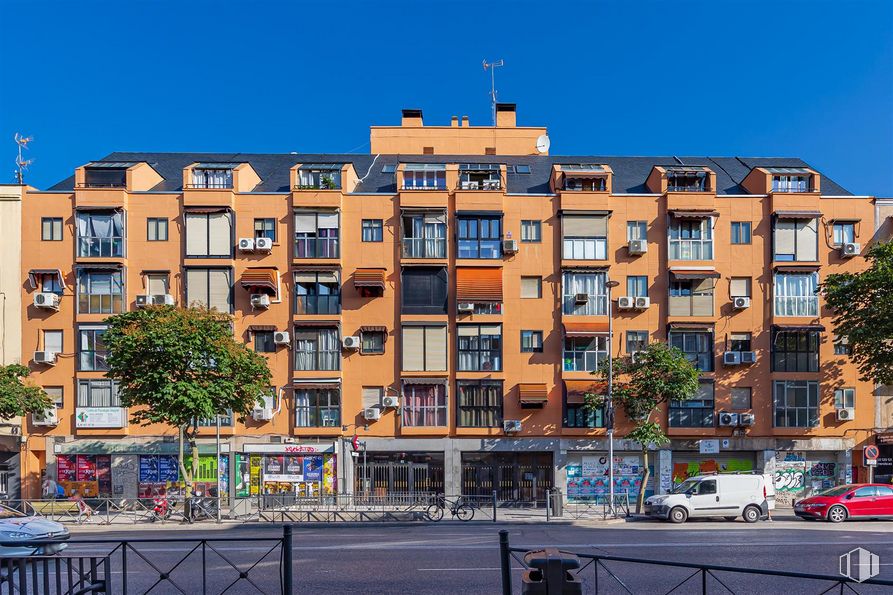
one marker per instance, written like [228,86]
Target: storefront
[521,477]
[690,464]
[588,475]
[399,473]
[799,474]
[883,471]
[301,470]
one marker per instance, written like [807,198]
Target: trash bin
[549,574]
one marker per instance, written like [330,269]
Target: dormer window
[424,176]
[584,177]
[106,175]
[680,179]
[207,175]
[789,179]
[479,176]
[325,176]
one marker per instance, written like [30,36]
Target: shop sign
[99,417]
[884,439]
[324,447]
[290,469]
[709,447]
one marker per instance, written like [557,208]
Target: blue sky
[807,78]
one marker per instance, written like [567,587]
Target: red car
[862,500]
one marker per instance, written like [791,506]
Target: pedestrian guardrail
[591,507]
[56,575]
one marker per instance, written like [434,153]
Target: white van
[729,496]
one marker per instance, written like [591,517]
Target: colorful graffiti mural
[682,471]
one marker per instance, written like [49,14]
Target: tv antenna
[22,163]
[492,66]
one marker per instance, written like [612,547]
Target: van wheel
[678,515]
[730,518]
[751,514]
[837,514]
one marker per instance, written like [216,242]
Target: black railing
[55,575]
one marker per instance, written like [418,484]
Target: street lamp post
[609,403]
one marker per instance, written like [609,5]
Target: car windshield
[838,491]
[686,485]
[9,513]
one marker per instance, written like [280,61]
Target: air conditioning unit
[263,244]
[465,307]
[746,419]
[741,302]
[728,420]
[260,300]
[390,402]
[748,357]
[509,246]
[246,244]
[47,417]
[162,299]
[45,357]
[511,426]
[731,358]
[581,298]
[372,413]
[262,412]
[143,300]
[352,342]
[626,302]
[46,299]
[850,249]
[642,303]
[637,246]
[846,414]
[281,338]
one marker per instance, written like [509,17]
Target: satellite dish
[543,143]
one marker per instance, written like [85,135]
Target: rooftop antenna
[22,163]
[492,66]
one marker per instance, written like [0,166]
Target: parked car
[23,530]
[863,500]
[728,496]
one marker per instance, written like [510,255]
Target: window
[372,230]
[317,348]
[866,492]
[522,169]
[157,284]
[424,234]
[741,397]
[844,398]
[480,237]
[705,488]
[636,230]
[372,342]
[739,287]
[578,183]
[697,347]
[637,286]
[372,396]
[636,341]
[740,232]
[318,407]
[52,341]
[584,237]
[226,420]
[686,181]
[156,229]
[480,403]
[263,341]
[584,294]
[694,413]
[265,228]
[740,342]
[55,395]
[51,229]
[796,294]
[479,176]
[388,168]
[480,347]
[209,235]
[531,288]
[424,290]
[211,288]
[100,234]
[796,240]
[842,346]
[843,233]
[691,239]
[317,292]
[98,393]
[100,292]
[51,283]
[320,177]
[424,348]
[424,176]
[531,231]
[91,348]
[584,354]
[487,308]
[790,183]
[795,351]
[577,415]
[316,234]
[531,341]
[424,404]
[796,403]
[212,177]
[691,297]
[105,177]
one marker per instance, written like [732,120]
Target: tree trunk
[640,501]
[187,476]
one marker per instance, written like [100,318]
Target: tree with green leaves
[657,375]
[176,366]
[18,397]
[863,313]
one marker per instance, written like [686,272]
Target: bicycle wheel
[434,513]
[464,512]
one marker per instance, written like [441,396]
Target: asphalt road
[464,558]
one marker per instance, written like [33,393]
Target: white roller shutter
[196,234]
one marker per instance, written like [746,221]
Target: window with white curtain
[317,348]
[796,294]
[691,239]
[424,176]
[100,234]
[100,291]
[480,347]
[584,237]
[209,235]
[206,177]
[577,285]
[424,234]
[52,341]
[316,234]
[795,240]
[211,288]
[98,393]
[318,407]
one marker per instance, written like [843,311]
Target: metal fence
[593,507]
[55,575]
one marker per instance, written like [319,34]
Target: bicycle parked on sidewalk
[434,512]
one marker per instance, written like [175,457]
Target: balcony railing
[94,247]
[101,185]
[792,187]
[583,361]
[424,248]
[316,248]
[686,188]
[806,305]
[212,185]
[480,185]
[691,249]
[317,304]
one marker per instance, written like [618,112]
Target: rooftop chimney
[505,115]
[465,121]
[454,121]
[412,118]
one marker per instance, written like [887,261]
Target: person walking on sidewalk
[84,511]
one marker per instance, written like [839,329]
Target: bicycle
[434,512]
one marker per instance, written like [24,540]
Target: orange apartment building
[443,298]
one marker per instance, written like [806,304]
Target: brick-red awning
[479,284]
[533,393]
[266,280]
[585,329]
[369,278]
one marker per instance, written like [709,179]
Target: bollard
[505,562]
[494,506]
[287,586]
[549,574]
[557,502]
[548,505]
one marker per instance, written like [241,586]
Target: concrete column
[765,461]
[845,466]
[559,461]
[452,468]
[663,469]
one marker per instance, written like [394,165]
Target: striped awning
[315,323]
[797,214]
[324,383]
[369,278]
[261,328]
[373,329]
[693,213]
[479,284]
[576,390]
[34,275]
[265,280]
[688,274]
[799,327]
[797,268]
[585,329]
[691,326]
[425,380]
[534,394]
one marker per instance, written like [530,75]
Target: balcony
[101,247]
[424,248]
[308,248]
[317,304]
